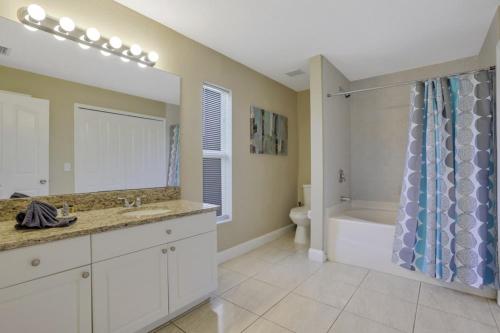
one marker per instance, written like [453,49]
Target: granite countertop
[95,221]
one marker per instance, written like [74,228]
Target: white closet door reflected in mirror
[24,145]
[117,150]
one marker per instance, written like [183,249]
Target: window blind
[212,119]
[212,182]
[213,143]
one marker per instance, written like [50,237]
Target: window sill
[224,219]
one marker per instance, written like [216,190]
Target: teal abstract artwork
[268,132]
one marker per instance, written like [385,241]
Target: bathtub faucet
[343,198]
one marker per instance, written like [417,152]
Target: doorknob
[43,181]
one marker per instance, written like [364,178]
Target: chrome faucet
[342,177]
[138,201]
[126,203]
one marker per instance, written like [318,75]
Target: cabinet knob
[85,275]
[35,262]
[172,248]
[169,231]
[164,251]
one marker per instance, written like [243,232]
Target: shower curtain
[446,226]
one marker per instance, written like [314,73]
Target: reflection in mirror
[76,121]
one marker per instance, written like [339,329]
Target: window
[216,136]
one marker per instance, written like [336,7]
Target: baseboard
[316,255]
[250,245]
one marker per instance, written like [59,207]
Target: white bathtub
[362,233]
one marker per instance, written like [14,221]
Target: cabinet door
[130,292]
[59,303]
[192,269]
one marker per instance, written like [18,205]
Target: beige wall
[487,55]
[379,127]
[62,96]
[304,135]
[329,144]
[264,187]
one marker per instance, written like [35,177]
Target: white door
[192,269]
[59,303]
[24,145]
[130,292]
[117,150]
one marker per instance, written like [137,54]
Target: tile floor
[276,289]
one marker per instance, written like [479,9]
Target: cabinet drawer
[32,262]
[119,242]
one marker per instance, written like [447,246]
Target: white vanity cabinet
[119,281]
[130,291]
[46,288]
[192,269]
[134,286]
[56,303]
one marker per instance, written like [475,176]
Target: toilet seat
[299,211]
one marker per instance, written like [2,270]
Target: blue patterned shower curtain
[447,226]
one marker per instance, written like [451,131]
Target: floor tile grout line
[349,300]
[288,294]
[389,295]
[416,308]
[364,317]
[270,308]
[237,284]
[491,312]
[457,315]
[178,327]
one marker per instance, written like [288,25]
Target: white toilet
[300,217]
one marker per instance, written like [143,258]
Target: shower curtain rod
[397,84]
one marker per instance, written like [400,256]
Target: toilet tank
[307,195]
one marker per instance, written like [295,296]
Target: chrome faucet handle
[126,203]
[65,209]
[138,201]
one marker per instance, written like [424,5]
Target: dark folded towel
[17,195]
[40,215]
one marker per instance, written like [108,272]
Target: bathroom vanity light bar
[34,18]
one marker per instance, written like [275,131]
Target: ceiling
[362,38]
[39,52]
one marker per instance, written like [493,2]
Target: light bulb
[36,12]
[124,59]
[135,50]
[104,53]
[115,42]
[92,34]
[66,24]
[141,65]
[153,56]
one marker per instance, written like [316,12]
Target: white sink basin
[146,212]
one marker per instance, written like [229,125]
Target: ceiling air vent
[295,73]
[4,51]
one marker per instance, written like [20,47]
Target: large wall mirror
[73,120]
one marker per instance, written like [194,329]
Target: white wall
[487,55]
[336,135]
[316,98]
[329,143]
[379,127]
